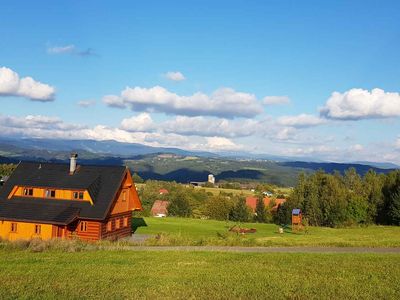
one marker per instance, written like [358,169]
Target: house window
[123,196]
[109,226]
[50,193]
[117,223]
[83,226]
[126,222]
[77,195]
[38,229]
[28,191]
[13,227]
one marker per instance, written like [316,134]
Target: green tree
[240,212]
[179,206]
[219,207]
[261,212]
[136,178]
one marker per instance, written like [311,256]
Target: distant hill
[171,164]
[331,167]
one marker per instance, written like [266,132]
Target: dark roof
[34,210]
[102,183]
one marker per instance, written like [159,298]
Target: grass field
[181,231]
[183,275]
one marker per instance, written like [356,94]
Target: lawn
[182,275]
[175,231]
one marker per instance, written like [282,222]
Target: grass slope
[181,231]
[183,275]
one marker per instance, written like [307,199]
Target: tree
[261,213]
[136,178]
[240,212]
[219,207]
[394,208]
[179,206]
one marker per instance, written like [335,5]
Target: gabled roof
[102,183]
[160,207]
[252,202]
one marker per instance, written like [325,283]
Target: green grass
[181,231]
[205,275]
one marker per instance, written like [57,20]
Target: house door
[59,232]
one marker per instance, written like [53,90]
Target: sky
[307,79]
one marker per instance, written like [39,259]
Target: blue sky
[256,76]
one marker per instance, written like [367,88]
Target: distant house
[160,208]
[163,192]
[251,202]
[49,200]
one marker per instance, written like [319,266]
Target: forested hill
[329,167]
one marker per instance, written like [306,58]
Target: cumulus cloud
[202,126]
[356,148]
[71,49]
[142,122]
[86,103]
[224,102]
[397,144]
[12,85]
[357,104]
[275,100]
[300,121]
[221,144]
[175,76]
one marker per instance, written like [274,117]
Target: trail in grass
[265,249]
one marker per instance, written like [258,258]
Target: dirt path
[266,249]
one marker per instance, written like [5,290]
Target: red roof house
[163,191]
[252,203]
[160,208]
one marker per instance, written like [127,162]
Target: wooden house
[48,200]
[160,208]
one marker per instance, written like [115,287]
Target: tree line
[343,200]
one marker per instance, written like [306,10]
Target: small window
[83,226]
[109,226]
[77,195]
[126,222]
[28,191]
[117,223]
[123,196]
[50,193]
[13,227]
[38,229]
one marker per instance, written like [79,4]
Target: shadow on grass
[138,222]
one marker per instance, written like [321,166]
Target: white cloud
[221,144]
[86,103]
[12,85]
[140,123]
[274,100]
[71,49]
[61,49]
[224,102]
[175,76]
[358,104]
[202,126]
[397,144]
[302,120]
[356,148]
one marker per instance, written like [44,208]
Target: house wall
[92,232]
[116,233]
[25,231]
[127,198]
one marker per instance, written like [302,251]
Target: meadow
[182,275]
[186,231]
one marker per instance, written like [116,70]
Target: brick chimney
[72,163]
